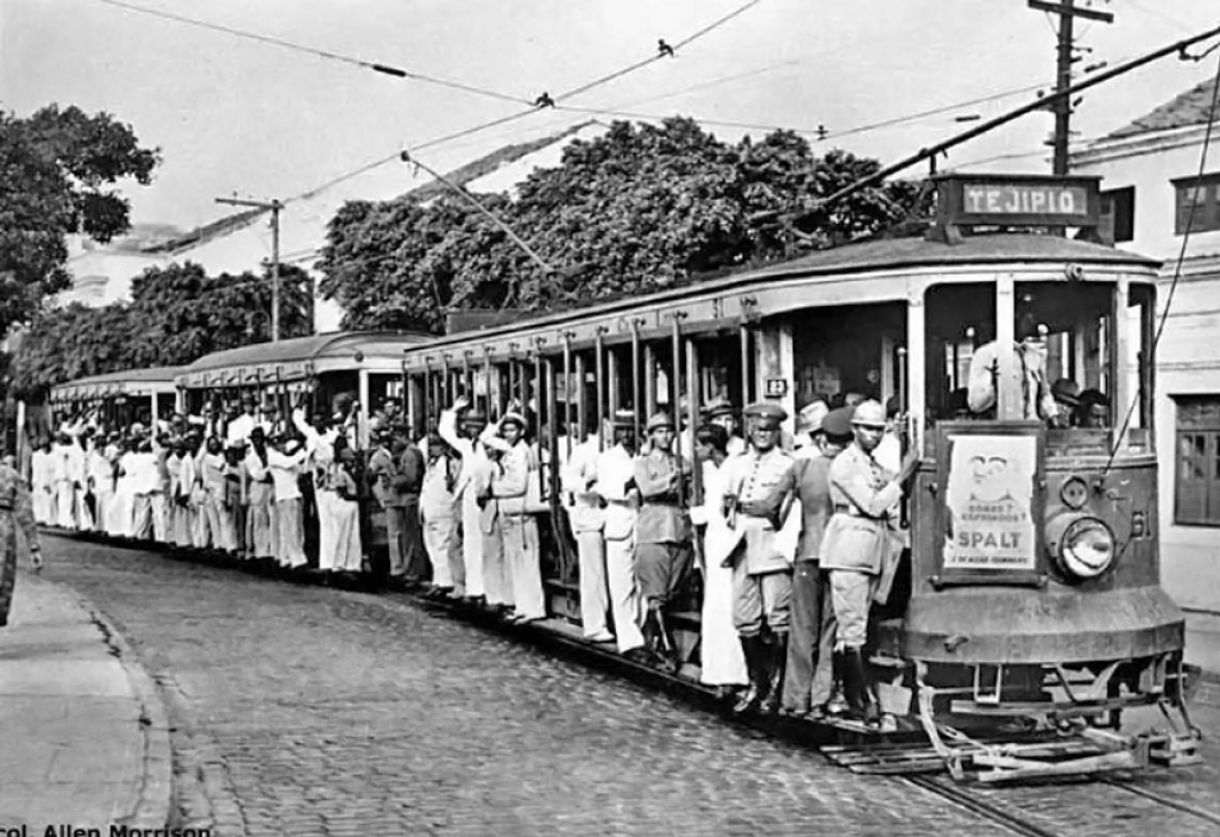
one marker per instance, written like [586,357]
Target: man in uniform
[720,411]
[756,493]
[663,533]
[809,676]
[857,544]
[614,484]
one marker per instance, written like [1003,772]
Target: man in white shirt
[238,430]
[587,519]
[472,487]
[285,459]
[42,484]
[614,485]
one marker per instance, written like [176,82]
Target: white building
[1149,169]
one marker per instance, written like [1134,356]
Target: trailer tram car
[310,372]
[119,398]
[1031,587]
[367,366]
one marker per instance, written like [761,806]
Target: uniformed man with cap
[809,678]
[663,533]
[756,493]
[858,542]
[721,411]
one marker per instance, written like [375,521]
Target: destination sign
[1018,200]
[1022,199]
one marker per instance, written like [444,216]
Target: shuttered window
[1197,476]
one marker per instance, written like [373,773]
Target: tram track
[1184,807]
[964,799]
[1006,812]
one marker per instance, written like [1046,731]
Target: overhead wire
[1177,270]
[384,69]
[478,128]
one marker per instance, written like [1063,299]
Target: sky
[234,116]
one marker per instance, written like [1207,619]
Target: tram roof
[862,257]
[325,352]
[135,381]
[975,249]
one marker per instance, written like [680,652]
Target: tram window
[1091,361]
[959,318]
[850,351]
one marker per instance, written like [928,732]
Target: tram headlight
[1083,545]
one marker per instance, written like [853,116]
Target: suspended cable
[512,117]
[665,51]
[384,69]
[1177,270]
[406,157]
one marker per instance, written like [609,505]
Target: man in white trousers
[615,486]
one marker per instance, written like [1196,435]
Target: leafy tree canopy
[636,210]
[56,170]
[177,314]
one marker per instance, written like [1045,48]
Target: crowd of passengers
[796,537]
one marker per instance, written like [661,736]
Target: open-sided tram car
[119,398]
[1033,585]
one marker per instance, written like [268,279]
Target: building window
[1201,193]
[1118,214]
[1197,478]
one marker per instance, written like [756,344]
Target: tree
[177,314]
[638,209]
[56,168]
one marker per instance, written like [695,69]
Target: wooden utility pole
[274,207]
[1062,106]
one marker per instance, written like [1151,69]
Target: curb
[152,807]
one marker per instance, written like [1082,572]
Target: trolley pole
[274,207]
[1062,105]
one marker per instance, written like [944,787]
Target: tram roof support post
[538,415]
[915,358]
[743,336]
[552,408]
[599,371]
[694,398]
[635,372]
[1119,353]
[676,398]
[1008,396]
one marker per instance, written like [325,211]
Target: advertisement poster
[990,503]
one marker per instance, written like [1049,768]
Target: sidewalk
[83,736]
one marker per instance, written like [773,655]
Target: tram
[1029,593]
[120,398]
[364,366]
[1032,585]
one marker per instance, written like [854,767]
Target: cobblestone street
[303,710]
